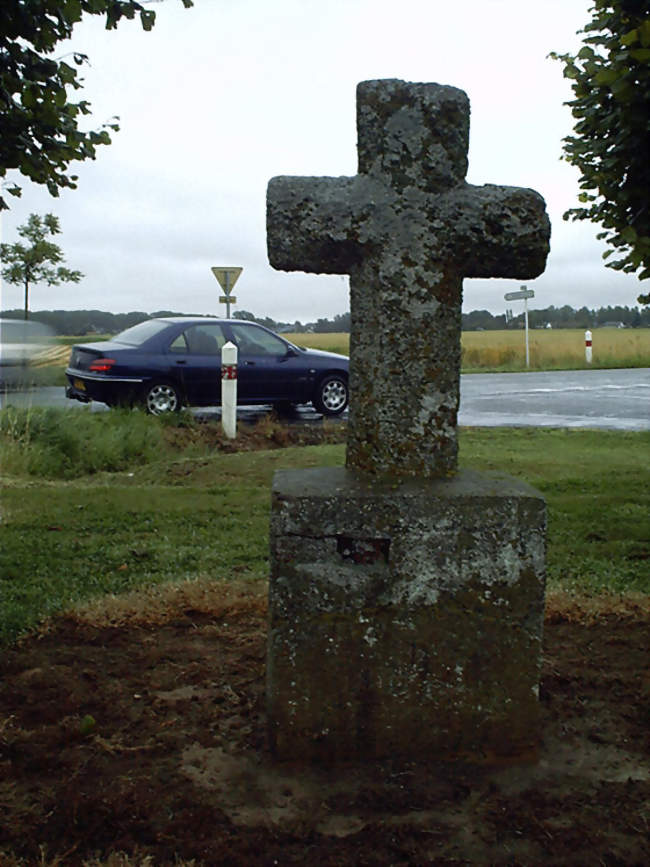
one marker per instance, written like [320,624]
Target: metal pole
[227,290]
[526,318]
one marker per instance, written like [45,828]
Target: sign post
[523,295]
[227,278]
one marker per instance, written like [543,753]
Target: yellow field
[56,355]
[559,348]
[336,342]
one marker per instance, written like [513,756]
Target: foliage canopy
[611,86]
[36,263]
[39,123]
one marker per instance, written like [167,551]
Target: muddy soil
[137,726]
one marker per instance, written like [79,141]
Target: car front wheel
[331,396]
[162,397]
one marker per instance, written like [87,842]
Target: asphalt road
[606,399]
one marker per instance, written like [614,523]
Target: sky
[219,98]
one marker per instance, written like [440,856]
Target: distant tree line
[560,317]
[477,320]
[83,322]
[340,323]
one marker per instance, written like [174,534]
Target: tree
[35,264]
[611,86]
[39,124]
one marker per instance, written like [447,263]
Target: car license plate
[79,384]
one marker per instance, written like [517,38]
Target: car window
[179,344]
[257,341]
[137,334]
[205,339]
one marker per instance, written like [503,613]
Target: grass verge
[597,488]
[132,501]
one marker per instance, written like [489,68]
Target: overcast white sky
[217,99]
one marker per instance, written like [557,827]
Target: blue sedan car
[167,363]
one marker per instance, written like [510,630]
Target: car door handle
[250,363]
[181,361]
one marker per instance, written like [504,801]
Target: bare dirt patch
[137,725]
[272,431]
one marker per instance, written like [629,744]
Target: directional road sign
[519,296]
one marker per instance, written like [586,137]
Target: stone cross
[407,229]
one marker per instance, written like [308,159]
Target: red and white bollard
[229,389]
[588,347]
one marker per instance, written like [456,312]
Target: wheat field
[559,349]
[549,349]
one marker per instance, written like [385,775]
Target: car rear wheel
[331,396]
[162,397]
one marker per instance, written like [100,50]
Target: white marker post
[523,295]
[229,389]
[588,347]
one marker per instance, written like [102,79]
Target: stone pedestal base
[405,620]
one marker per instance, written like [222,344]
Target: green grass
[597,488]
[49,444]
[46,377]
[121,508]
[70,340]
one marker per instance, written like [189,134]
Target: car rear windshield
[139,334]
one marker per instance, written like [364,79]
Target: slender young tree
[610,79]
[39,260]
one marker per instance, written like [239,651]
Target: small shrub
[64,444]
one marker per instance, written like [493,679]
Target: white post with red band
[229,389]
[588,347]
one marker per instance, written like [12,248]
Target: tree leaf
[40,133]
[606,76]
[147,19]
[610,82]
[641,54]
[630,37]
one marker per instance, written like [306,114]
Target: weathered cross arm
[499,231]
[309,224]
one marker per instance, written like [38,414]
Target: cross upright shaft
[407,229]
